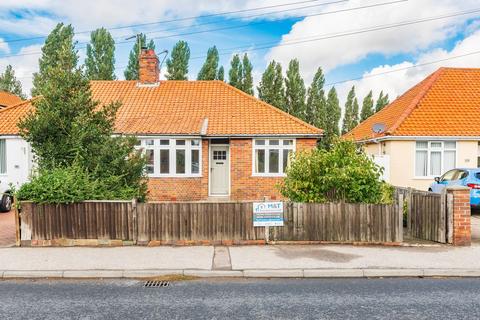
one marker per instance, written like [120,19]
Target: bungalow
[7,99]
[202,139]
[430,129]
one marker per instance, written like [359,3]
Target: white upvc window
[271,157]
[172,157]
[3,157]
[433,158]
[478,158]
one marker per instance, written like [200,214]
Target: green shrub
[343,173]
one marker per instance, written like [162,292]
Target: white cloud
[339,51]
[4,47]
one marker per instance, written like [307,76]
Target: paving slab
[273,273]
[213,273]
[393,272]
[32,274]
[333,273]
[150,273]
[97,274]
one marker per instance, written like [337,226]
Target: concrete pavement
[309,261]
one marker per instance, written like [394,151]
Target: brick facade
[462,229]
[243,186]
[148,71]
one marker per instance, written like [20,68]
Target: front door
[219,170]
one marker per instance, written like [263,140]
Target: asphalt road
[243,299]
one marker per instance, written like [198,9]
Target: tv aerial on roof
[378,128]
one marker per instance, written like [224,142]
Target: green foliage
[271,88]
[332,119]
[235,72]
[75,184]
[367,107]
[69,129]
[350,120]
[221,74]
[343,173]
[382,101]
[316,104]
[9,83]
[295,91]
[247,78]
[100,60]
[177,64]
[209,69]
[131,72]
[58,54]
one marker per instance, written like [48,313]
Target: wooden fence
[204,222]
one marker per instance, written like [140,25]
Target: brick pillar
[462,229]
[148,67]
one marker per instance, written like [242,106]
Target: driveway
[7,229]
[475,226]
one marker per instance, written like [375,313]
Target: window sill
[269,175]
[175,176]
[424,178]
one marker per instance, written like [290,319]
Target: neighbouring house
[202,139]
[8,99]
[431,128]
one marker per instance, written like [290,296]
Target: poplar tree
[177,64]
[9,83]
[271,88]
[382,101]
[367,107]
[59,44]
[100,60]
[332,119]
[235,73]
[131,72]
[247,78]
[315,109]
[350,120]
[221,74]
[294,91]
[209,69]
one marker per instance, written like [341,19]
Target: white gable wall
[19,162]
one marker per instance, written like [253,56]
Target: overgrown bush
[342,173]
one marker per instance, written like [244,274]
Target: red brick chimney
[149,71]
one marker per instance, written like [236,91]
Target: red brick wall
[462,229]
[243,186]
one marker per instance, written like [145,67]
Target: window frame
[5,171]
[267,147]
[172,156]
[429,149]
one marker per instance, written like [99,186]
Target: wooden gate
[427,216]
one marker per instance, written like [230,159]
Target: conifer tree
[294,91]
[315,110]
[9,83]
[350,120]
[382,101]
[247,78]
[367,107]
[58,43]
[271,88]
[332,119]
[209,69]
[235,73]
[221,74]
[100,60]
[131,72]
[177,64]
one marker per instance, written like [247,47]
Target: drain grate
[156,284]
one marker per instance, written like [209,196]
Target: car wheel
[6,203]
[430,190]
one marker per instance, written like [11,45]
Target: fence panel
[428,216]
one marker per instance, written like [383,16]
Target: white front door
[219,170]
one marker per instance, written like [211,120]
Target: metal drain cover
[156,283]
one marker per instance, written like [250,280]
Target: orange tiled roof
[10,116]
[446,103]
[211,108]
[7,99]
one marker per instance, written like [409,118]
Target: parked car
[5,201]
[460,177]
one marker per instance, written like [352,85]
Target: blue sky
[445,37]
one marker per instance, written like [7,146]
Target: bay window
[3,157]
[433,158]
[271,157]
[172,157]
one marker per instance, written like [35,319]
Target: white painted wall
[383,161]
[19,163]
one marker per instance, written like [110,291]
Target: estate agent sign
[268,214]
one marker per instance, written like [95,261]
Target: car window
[449,175]
[462,174]
[477,175]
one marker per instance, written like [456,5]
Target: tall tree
[235,74]
[131,72]
[332,119]
[100,60]
[350,120]
[382,101]
[315,112]
[221,74]
[294,90]
[9,83]
[177,64]
[209,69]
[367,107]
[271,88]
[247,78]
[59,42]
